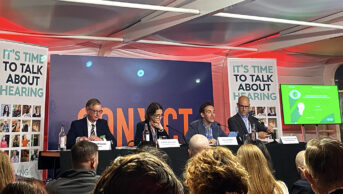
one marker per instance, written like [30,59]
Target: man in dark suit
[90,128]
[242,121]
[206,126]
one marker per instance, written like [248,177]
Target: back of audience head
[260,177]
[265,152]
[138,173]
[22,187]
[300,162]
[153,151]
[324,164]
[197,143]
[85,155]
[215,170]
[6,171]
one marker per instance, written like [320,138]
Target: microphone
[183,136]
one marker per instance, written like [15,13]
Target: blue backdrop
[125,86]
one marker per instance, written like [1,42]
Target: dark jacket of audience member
[138,173]
[82,178]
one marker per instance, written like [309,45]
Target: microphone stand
[183,136]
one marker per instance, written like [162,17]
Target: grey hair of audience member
[300,162]
[138,173]
[154,151]
[197,143]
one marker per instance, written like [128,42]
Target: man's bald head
[300,161]
[197,143]
[243,105]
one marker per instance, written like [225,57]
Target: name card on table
[289,140]
[103,145]
[227,141]
[168,143]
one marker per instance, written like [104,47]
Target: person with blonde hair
[6,171]
[261,180]
[138,173]
[324,165]
[215,170]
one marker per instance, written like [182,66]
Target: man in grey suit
[207,125]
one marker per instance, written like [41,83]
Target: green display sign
[310,104]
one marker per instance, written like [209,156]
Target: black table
[283,157]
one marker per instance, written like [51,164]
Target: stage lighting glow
[197,80]
[140,73]
[89,63]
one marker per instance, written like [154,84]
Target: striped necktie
[92,130]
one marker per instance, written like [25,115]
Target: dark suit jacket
[236,123]
[140,129]
[197,127]
[301,186]
[78,128]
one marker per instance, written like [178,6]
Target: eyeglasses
[243,107]
[96,111]
[158,115]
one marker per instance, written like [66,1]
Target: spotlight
[89,63]
[197,80]
[140,73]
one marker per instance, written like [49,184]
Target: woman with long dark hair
[6,111]
[153,117]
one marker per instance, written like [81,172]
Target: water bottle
[146,134]
[62,139]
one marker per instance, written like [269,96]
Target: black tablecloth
[283,157]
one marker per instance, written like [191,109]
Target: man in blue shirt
[207,125]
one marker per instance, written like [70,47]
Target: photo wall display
[20,130]
[266,115]
[23,70]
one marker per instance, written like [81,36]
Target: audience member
[23,187]
[91,128]
[207,125]
[260,177]
[6,171]
[82,178]
[153,118]
[215,170]
[324,165]
[197,143]
[148,148]
[301,186]
[265,152]
[138,173]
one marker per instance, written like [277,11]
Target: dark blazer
[197,127]
[140,129]
[78,128]
[236,123]
[301,186]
